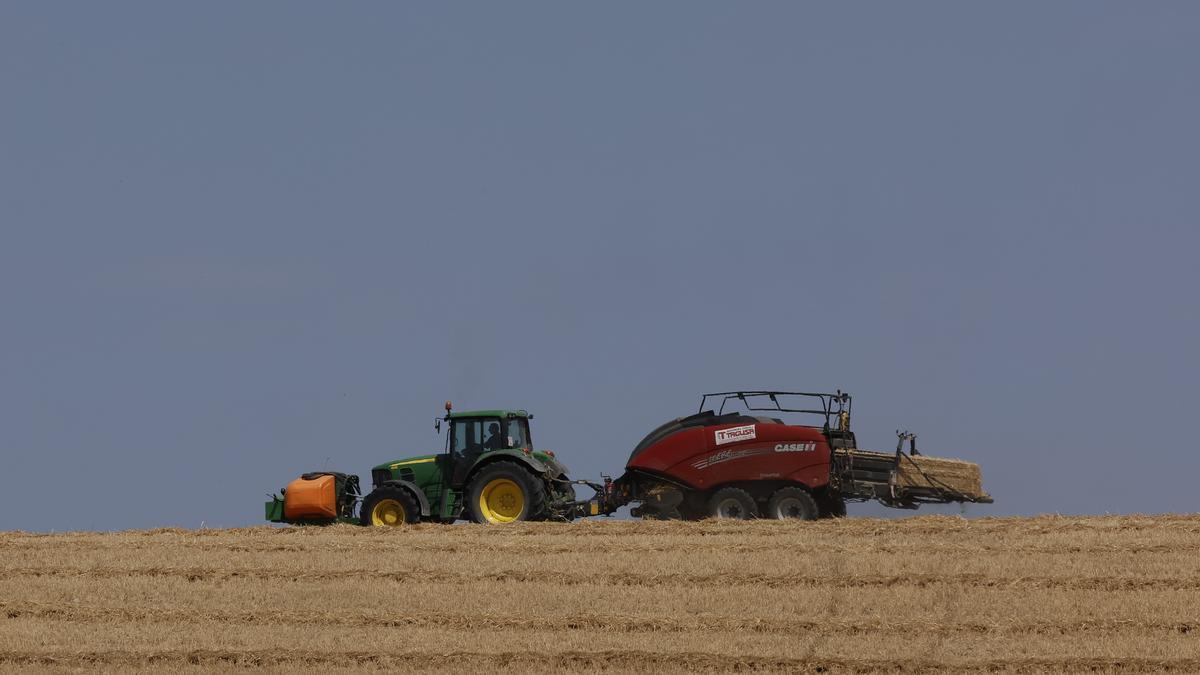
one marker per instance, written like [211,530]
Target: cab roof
[489,413]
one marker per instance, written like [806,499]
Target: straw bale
[924,471]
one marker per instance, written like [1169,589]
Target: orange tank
[310,499]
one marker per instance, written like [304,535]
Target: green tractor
[488,473]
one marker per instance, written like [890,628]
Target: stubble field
[1118,594]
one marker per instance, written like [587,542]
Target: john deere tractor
[489,472]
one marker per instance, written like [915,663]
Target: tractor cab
[476,433]
[478,444]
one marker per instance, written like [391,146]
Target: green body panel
[550,462]
[515,454]
[275,510]
[427,470]
[428,474]
[451,505]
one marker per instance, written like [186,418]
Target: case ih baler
[743,463]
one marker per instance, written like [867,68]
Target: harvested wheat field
[1119,594]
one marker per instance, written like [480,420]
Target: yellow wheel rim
[501,501]
[388,513]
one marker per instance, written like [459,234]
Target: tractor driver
[494,440]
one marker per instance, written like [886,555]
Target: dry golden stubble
[947,594]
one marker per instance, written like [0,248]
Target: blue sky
[242,241]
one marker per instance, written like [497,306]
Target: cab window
[517,432]
[474,435]
[466,436]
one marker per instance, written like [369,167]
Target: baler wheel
[732,503]
[390,507]
[832,506]
[792,502]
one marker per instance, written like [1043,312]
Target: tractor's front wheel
[389,507]
[505,492]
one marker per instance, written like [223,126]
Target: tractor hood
[408,461]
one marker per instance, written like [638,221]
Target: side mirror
[437,425]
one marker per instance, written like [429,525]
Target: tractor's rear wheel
[505,492]
[390,507]
[792,502]
[732,503]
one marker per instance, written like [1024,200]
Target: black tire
[533,491]
[655,514]
[792,502]
[410,509]
[831,506]
[732,503]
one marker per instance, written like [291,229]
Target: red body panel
[705,457]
